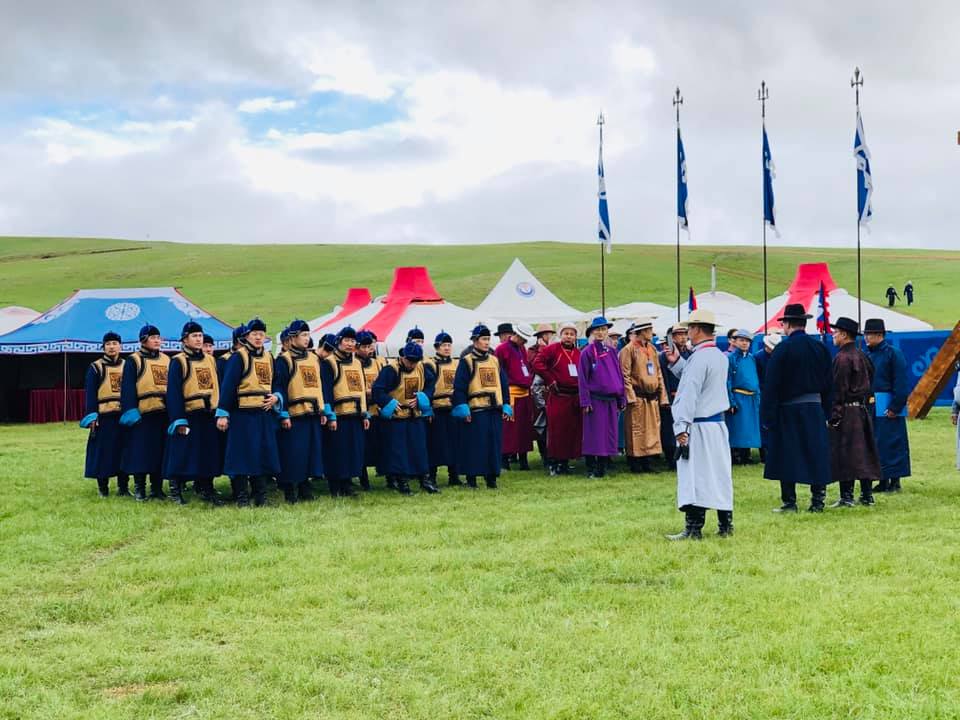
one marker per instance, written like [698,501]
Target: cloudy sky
[472,122]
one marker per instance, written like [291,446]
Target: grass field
[283,281]
[545,599]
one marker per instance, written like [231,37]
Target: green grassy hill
[282,281]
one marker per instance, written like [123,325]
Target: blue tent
[77,324]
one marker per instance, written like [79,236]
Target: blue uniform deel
[890,389]
[743,389]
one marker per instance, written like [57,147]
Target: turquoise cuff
[460,411]
[221,413]
[331,415]
[88,420]
[284,415]
[389,409]
[508,411]
[175,424]
[279,397]
[130,417]
[423,402]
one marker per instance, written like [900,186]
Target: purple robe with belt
[601,389]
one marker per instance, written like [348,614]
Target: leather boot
[591,463]
[305,490]
[895,485]
[644,464]
[364,479]
[207,492]
[259,483]
[123,485]
[156,488]
[788,496]
[391,482]
[882,486]
[453,479]
[429,485]
[524,464]
[140,488]
[866,493]
[290,494]
[238,484]
[564,468]
[176,491]
[600,469]
[725,522]
[347,488]
[334,487]
[846,495]
[491,481]
[403,487]
[693,527]
[505,462]
[103,487]
[818,496]
[472,481]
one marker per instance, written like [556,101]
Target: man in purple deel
[601,397]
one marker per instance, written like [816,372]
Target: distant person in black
[892,296]
[794,404]
[908,293]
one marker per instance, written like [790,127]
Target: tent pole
[603,284]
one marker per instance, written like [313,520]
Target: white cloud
[266,104]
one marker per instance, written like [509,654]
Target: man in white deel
[704,475]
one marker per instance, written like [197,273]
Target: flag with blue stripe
[769,173]
[864,178]
[604,225]
[681,183]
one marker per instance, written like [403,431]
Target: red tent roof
[356,298]
[410,285]
[805,285]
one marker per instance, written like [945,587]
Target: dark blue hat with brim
[415,334]
[256,324]
[111,337]
[347,332]
[412,351]
[441,338]
[598,322]
[239,332]
[148,330]
[479,331]
[190,327]
[329,341]
[208,339]
[874,325]
[297,327]
[365,337]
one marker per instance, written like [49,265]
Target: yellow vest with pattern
[445,370]
[201,387]
[108,392]
[257,379]
[349,385]
[304,391]
[410,383]
[484,391]
[370,373]
[151,382]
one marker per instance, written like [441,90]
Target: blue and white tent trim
[77,324]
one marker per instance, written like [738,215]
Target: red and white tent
[412,301]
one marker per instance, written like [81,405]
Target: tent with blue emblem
[54,349]
[520,297]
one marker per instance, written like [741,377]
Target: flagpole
[763,94]
[856,82]
[603,279]
[677,102]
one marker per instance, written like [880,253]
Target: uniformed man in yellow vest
[306,411]
[193,443]
[208,344]
[143,404]
[372,365]
[402,393]
[105,440]
[248,410]
[481,399]
[343,448]
[238,332]
[442,446]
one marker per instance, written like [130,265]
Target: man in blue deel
[102,408]
[743,388]
[890,391]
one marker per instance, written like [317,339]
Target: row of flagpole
[864,197]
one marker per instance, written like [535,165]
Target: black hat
[850,327]
[365,337]
[442,337]
[504,328]
[256,324]
[239,331]
[415,334]
[208,340]
[310,343]
[148,330]
[874,325]
[795,311]
[190,327]
[329,341]
[346,332]
[412,351]
[108,336]
[297,327]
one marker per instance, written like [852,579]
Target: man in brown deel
[853,450]
[646,393]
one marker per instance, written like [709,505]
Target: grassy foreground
[546,599]
[284,281]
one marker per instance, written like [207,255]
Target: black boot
[290,494]
[866,493]
[429,485]
[453,479]
[591,463]
[391,482]
[505,462]
[564,468]
[725,523]
[140,488]
[156,488]
[403,487]
[305,490]
[123,485]
[491,481]
[818,496]
[259,487]
[644,464]
[600,466]
[895,485]
[472,481]
[524,465]
[364,479]
[207,492]
[176,491]
[846,495]
[882,486]
[693,527]
[238,484]
[103,487]
[788,496]
[347,488]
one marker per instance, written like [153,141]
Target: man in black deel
[794,404]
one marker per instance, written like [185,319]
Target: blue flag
[681,184]
[769,173]
[604,226]
[864,178]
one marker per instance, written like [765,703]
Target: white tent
[634,310]
[519,297]
[14,316]
[729,309]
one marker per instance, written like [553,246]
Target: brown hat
[543,328]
